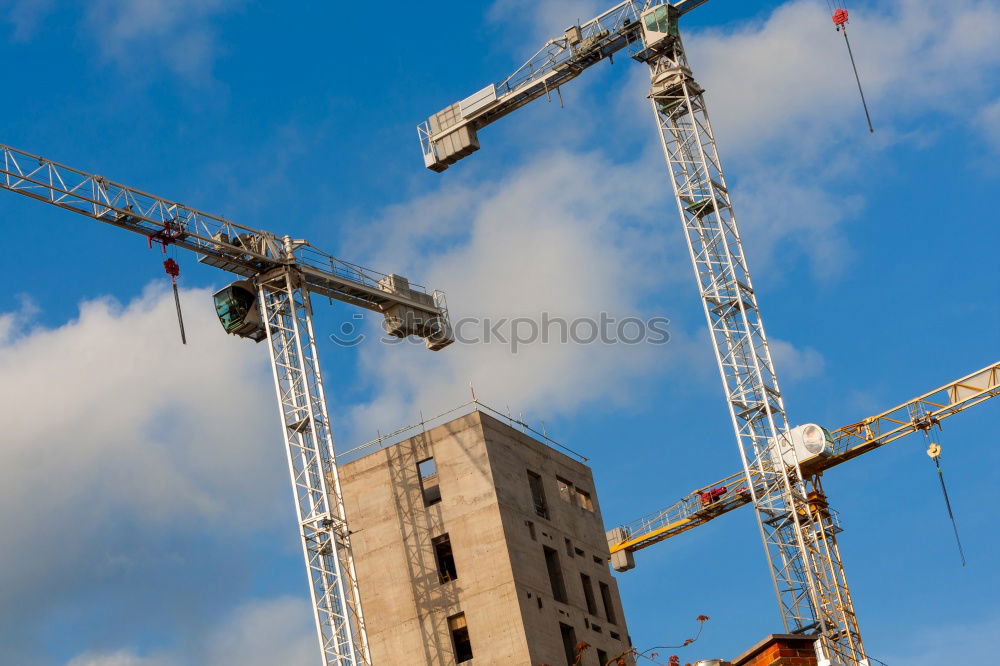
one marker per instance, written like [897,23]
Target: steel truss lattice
[319,503]
[800,544]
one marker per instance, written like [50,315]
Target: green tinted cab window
[662,22]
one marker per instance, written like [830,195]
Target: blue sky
[145,516]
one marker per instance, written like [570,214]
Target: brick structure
[780,650]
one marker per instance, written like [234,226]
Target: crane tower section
[319,504]
[805,563]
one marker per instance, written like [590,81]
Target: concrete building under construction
[476,543]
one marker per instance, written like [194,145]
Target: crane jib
[451,134]
[221,243]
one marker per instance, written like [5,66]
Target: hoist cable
[858,79]
[180,317]
[934,451]
[947,502]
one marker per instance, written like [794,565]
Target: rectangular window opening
[602,657]
[569,643]
[460,638]
[565,489]
[569,547]
[609,604]
[555,574]
[538,494]
[429,481]
[531,530]
[445,559]
[583,500]
[588,593]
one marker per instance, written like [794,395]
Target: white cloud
[179,31]
[785,84]
[111,391]
[117,441]
[569,235]
[260,633]
[133,34]
[786,221]
[794,364]
[541,21]
[278,631]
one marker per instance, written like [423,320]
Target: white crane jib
[800,545]
[273,303]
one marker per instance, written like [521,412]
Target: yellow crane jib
[847,442]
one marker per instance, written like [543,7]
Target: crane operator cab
[239,310]
[658,24]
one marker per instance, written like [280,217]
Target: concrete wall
[486,509]
[577,536]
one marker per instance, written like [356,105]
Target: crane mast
[805,563]
[796,527]
[283,275]
[319,503]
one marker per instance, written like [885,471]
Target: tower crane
[802,556]
[272,302]
[700,506]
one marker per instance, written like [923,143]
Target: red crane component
[712,495]
[172,269]
[165,236]
[840,17]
